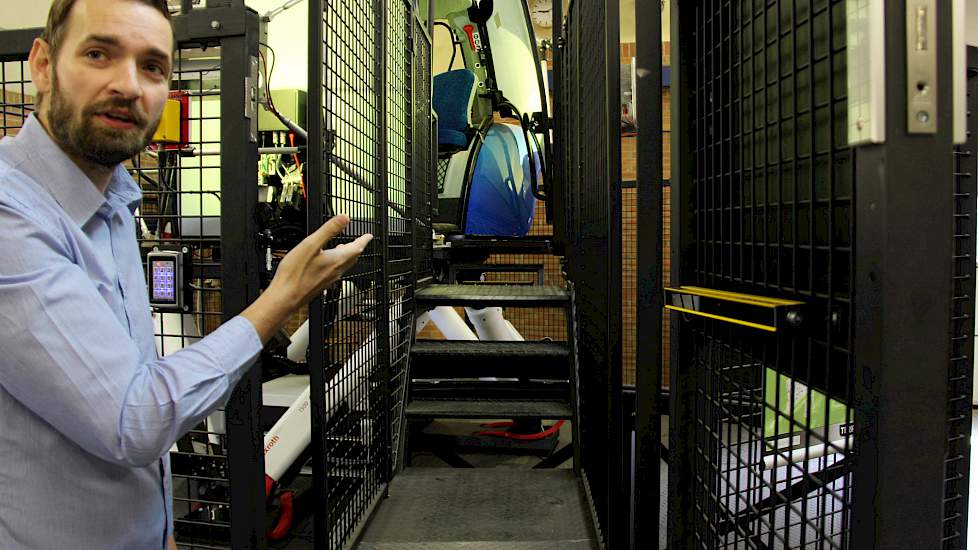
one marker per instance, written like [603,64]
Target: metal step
[481,296]
[481,509]
[466,359]
[508,409]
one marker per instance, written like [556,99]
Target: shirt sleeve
[65,355]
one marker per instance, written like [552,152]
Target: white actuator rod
[450,323]
[490,324]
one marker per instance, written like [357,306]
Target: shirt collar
[51,168]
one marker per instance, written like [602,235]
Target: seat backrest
[453,93]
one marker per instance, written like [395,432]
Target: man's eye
[95,54]
[155,68]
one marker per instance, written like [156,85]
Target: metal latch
[922,66]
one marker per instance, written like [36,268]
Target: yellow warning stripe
[748,299]
[722,318]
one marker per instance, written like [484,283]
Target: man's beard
[77,133]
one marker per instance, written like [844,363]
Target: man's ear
[41,65]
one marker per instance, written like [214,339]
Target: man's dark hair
[57,26]
[54,31]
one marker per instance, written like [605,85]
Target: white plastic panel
[960,63]
[866,64]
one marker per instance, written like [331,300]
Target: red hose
[524,437]
[284,522]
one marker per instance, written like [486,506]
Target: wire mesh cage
[588,225]
[770,214]
[353,357]
[403,211]
[425,174]
[375,135]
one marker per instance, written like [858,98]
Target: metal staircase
[526,382]
[491,379]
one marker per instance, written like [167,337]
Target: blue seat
[452,95]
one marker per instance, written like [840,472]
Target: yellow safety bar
[722,318]
[749,299]
[735,297]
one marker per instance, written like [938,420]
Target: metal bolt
[859,124]
[794,318]
[215,24]
[923,117]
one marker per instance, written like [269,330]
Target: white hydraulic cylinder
[451,324]
[300,343]
[300,338]
[490,324]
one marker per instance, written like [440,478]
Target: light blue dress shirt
[88,411]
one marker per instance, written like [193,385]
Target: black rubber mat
[449,408]
[494,295]
[452,359]
[481,509]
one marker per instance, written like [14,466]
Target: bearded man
[88,411]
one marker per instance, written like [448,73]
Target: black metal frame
[649,301]
[896,222]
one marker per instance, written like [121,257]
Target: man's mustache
[132,110]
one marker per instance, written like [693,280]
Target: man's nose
[125,81]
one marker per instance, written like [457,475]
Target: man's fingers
[362,241]
[348,252]
[326,232]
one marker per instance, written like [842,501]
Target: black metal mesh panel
[590,176]
[770,214]
[401,212]
[16,95]
[181,209]
[961,370]
[354,362]
[423,173]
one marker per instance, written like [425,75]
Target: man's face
[109,81]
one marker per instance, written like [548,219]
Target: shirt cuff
[241,346]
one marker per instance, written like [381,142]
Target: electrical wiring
[267,72]
[298,166]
